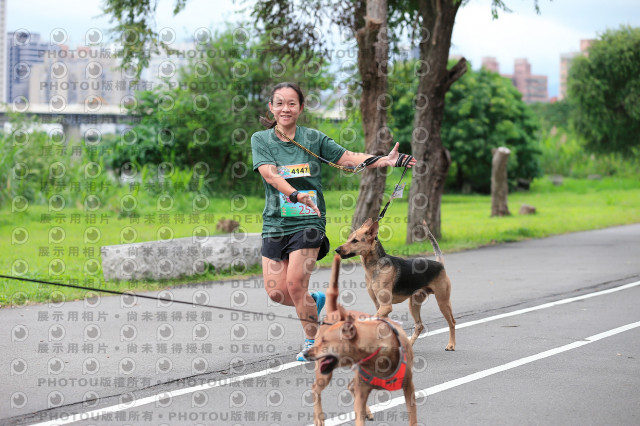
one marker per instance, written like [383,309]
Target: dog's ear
[367,222]
[373,229]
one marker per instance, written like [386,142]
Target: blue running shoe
[308,343]
[319,298]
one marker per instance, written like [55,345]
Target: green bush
[563,152]
[38,166]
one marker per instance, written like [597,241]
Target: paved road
[520,358]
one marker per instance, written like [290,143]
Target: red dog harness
[393,382]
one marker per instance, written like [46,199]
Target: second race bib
[287,208]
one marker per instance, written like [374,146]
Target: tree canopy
[604,86]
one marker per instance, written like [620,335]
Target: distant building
[24,50]
[48,73]
[585,45]
[565,61]
[84,75]
[532,86]
[491,64]
[565,64]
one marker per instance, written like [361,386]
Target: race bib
[288,208]
[294,171]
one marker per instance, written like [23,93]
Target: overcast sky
[541,38]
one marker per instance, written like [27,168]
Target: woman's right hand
[305,199]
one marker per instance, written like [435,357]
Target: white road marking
[484,373]
[532,309]
[153,399]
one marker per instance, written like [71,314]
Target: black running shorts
[278,248]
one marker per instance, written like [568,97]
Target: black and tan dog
[379,348]
[392,279]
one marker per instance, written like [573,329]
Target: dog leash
[162,299]
[348,169]
[384,210]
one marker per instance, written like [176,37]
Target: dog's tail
[332,292]
[434,243]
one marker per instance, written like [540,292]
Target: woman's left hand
[392,158]
[305,199]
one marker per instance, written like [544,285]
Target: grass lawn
[63,246]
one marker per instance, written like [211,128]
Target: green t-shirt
[302,171]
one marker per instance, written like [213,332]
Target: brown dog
[379,348]
[392,279]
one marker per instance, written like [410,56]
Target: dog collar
[393,382]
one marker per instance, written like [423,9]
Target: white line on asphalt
[153,399]
[484,373]
[533,308]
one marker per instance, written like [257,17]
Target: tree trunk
[433,159]
[499,183]
[373,55]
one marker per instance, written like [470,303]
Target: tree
[604,87]
[373,56]
[436,19]
[482,111]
